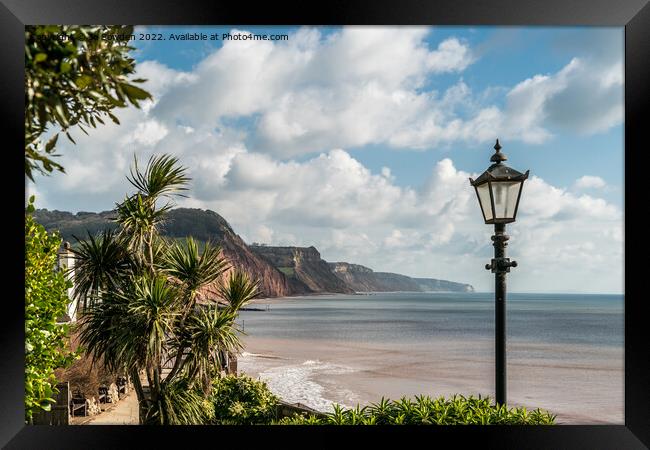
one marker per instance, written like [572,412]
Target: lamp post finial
[498,157]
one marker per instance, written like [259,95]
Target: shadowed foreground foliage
[457,410]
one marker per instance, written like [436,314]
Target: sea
[564,351]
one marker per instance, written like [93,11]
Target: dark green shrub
[458,410]
[241,400]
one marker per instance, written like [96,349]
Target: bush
[241,400]
[458,410]
[46,300]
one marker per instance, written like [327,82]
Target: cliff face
[364,279]
[181,222]
[307,272]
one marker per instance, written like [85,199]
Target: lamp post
[498,190]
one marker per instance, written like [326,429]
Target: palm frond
[151,311]
[180,404]
[129,328]
[107,335]
[210,333]
[162,177]
[239,289]
[101,263]
[138,218]
[193,270]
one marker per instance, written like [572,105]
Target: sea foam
[300,383]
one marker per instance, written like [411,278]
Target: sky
[361,140]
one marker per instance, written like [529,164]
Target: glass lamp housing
[498,190]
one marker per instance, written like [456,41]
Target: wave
[301,383]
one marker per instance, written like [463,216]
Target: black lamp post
[498,190]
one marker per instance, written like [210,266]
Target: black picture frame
[634,15]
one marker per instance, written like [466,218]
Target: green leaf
[51,143]
[83,81]
[134,92]
[58,109]
[96,95]
[40,57]
[113,118]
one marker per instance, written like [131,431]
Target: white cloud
[585,96]
[451,56]
[161,78]
[313,93]
[590,182]
[364,85]
[543,201]
[146,133]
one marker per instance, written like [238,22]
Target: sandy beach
[582,386]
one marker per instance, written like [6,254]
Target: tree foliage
[141,291]
[46,301]
[74,77]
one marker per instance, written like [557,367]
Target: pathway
[125,412]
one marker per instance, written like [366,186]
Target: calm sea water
[417,317]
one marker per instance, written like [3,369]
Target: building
[66,262]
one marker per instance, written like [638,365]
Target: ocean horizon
[565,351]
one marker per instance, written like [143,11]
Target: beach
[580,382]
[318,373]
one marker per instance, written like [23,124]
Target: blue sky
[360,140]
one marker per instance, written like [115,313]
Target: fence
[60,412]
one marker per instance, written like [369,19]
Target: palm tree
[100,264]
[143,311]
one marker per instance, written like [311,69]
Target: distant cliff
[364,279]
[307,272]
[281,271]
[431,284]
